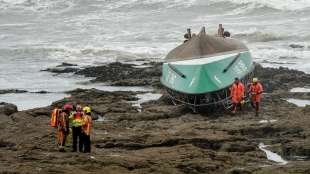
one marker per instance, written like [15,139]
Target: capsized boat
[200,71]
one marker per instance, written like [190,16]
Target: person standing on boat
[237,95]
[220,31]
[256,90]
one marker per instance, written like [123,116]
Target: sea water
[39,34]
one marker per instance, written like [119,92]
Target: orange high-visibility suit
[237,95]
[237,92]
[86,129]
[62,128]
[256,90]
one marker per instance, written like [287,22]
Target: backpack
[54,117]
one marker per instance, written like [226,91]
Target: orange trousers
[61,137]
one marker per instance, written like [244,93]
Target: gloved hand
[242,102]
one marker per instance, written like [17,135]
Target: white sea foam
[145,98]
[54,6]
[31,100]
[276,4]
[271,155]
[299,102]
[281,56]
[165,3]
[15,24]
[300,90]
[267,121]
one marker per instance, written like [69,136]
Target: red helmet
[68,106]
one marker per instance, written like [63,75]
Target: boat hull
[208,74]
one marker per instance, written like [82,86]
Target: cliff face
[163,138]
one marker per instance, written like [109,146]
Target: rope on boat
[232,62]
[176,71]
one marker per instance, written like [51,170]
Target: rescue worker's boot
[234,109]
[253,105]
[256,114]
[61,149]
[86,143]
[257,109]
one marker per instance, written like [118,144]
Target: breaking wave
[287,5]
[88,54]
[243,6]
[259,36]
[54,6]
[152,3]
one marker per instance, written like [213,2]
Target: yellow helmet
[87,109]
[255,79]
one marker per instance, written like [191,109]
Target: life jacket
[237,92]
[87,124]
[77,120]
[54,117]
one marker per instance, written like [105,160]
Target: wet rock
[7,109]
[65,64]
[162,138]
[95,116]
[281,78]
[294,149]
[238,147]
[254,131]
[239,171]
[40,112]
[41,92]
[288,57]
[306,110]
[6,144]
[119,74]
[4,119]
[136,82]
[296,46]
[61,70]
[12,91]
[101,102]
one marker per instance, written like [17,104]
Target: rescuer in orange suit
[86,129]
[63,126]
[256,90]
[237,94]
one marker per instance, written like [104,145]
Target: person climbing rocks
[256,90]
[63,126]
[76,124]
[86,129]
[237,95]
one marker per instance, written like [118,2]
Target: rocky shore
[161,137]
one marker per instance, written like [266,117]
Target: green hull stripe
[206,74]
